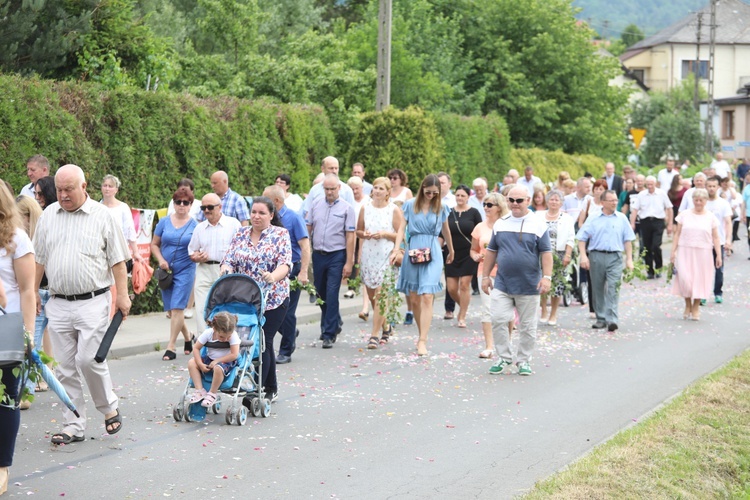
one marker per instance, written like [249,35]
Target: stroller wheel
[216,407]
[230,416]
[265,408]
[177,413]
[241,416]
[255,407]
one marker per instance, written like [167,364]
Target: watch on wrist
[547,278]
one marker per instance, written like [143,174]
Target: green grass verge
[697,446]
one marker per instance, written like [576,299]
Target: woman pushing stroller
[222,350]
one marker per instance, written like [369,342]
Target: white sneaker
[349,294]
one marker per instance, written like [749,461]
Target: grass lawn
[697,446]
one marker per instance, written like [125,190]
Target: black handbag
[164,277]
[12,339]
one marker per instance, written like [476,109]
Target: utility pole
[696,70]
[710,107]
[383,89]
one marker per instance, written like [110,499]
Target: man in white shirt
[614,181]
[665,176]
[529,180]
[448,198]
[655,210]
[329,165]
[36,167]
[721,167]
[574,202]
[699,180]
[723,212]
[208,245]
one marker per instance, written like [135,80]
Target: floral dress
[376,253]
[558,272]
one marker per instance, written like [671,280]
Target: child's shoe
[198,395]
[208,400]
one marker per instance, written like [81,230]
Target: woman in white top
[17,273]
[561,235]
[399,191]
[360,200]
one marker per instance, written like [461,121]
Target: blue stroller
[241,295]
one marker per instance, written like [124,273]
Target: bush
[475,146]
[406,139]
[548,164]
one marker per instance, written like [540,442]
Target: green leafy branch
[309,288]
[389,300]
[33,372]
[355,284]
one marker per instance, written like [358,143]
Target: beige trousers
[205,276]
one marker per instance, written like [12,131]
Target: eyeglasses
[392,177]
[431,193]
[516,200]
[208,208]
[38,194]
[489,205]
[184,203]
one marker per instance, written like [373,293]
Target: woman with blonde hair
[379,225]
[494,207]
[426,217]
[17,274]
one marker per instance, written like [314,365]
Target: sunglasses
[431,193]
[516,200]
[489,205]
[184,203]
[208,208]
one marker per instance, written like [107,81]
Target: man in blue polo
[295,224]
[330,223]
[520,240]
[608,235]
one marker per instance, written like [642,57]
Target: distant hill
[609,18]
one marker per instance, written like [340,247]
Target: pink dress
[695,261]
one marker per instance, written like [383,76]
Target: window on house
[728,125]
[639,74]
[690,67]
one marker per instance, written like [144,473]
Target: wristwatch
[547,278]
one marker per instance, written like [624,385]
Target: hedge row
[151,140]
[421,143]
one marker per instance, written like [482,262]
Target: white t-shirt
[721,209]
[664,178]
[124,218]
[213,352]
[722,168]
[8,274]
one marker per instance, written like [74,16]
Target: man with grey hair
[329,165]
[654,209]
[514,175]
[614,181]
[81,248]
[521,248]
[330,224]
[574,202]
[232,204]
[36,167]
[208,245]
[699,181]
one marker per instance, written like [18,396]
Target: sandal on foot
[197,396]
[208,400]
[364,316]
[386,335]
[110,422]
[169,355]
[373,343]
[461,324]
[189,345]
[486,354]
[448,315]
[62,438]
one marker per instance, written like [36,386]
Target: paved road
[386,424]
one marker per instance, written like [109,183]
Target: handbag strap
[458,226]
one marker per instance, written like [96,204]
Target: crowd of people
[64,260]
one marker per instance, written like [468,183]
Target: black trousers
[10,420]
[652,231]
[274,319]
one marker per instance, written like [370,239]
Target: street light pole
[383,88]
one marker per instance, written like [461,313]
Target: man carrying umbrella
[80,247]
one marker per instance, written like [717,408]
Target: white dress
[376,253]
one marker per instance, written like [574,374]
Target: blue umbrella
[53,383]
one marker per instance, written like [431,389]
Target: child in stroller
[222,349]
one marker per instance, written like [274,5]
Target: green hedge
[548,164]
[406,139]
[421,143]
[151,140]
[475,146]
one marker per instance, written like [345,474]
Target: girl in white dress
[380,222]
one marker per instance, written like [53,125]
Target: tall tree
[631,35]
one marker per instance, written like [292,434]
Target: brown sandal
[386,334]
[373,343]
